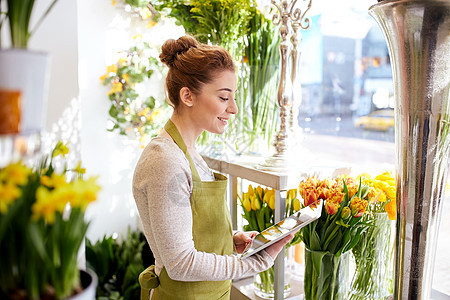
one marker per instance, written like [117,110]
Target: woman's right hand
[276,248]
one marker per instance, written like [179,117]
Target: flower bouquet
[373,253]
[258,205]
[329,239]
[42,227]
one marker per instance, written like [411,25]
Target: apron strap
[148,280]
[176,136]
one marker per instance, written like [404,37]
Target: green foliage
[132,111]
[42,227]
[117,266]
[18,14]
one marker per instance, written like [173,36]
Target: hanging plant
[133,111]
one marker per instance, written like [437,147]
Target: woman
[181,202]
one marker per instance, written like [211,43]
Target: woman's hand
[276,248]
[243,239]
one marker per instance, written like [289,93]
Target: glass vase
[327,276]
[373,254]
[264,284]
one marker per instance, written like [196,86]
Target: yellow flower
[60,149]
[346,213]
[8,193]
[85,191]
[79,169]
[126,77]
[259,190]
[331,207]
[292,194]
[246,202]
[117,87]
[137,37]
[144,112]
[255,203]
[297,205]
[390,208]
[272,201]
[15,173]
[390,192]
[155,115]
[113,2]
[358,206]
[54,181]
[145,13]
[122,61]
[151,24]
[47,204]
[267,194]
[250,191]
[111,69]
[103,77]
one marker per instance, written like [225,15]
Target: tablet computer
[283,228]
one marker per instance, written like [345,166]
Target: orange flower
[390,208]
[358,206]
[331,207]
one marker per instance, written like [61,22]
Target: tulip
[297,205]
[259,190]
[272,201]
[331,207]
[390,209]
[246,203]
[310,198]
[346,213]
[358,206]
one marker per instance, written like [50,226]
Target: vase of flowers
[373,278]
[258,205]
[42,227]
[337,231]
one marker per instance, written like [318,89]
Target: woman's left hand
[243,239]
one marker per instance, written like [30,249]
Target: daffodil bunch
[42,226]
[134,111]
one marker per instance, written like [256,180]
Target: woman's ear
[186,97]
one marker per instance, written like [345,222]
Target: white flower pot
[28,72]
[89,281]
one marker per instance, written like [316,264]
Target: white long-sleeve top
[162,186]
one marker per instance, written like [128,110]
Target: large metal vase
[418,37]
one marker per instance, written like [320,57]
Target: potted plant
[24,71]
[42,227]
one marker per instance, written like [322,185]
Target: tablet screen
[278,231]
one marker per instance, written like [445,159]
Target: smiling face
[214,105]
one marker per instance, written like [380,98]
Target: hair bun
[172,48]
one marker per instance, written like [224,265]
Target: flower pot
[89,281]
[327,276]
[374,260]
[27,72]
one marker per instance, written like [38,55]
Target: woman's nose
[232,108]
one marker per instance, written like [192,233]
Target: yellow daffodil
[15,173]
[47,204]
[79,169]
[86,192]
[8,193]
[60,149]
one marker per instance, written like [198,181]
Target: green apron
[212,233]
